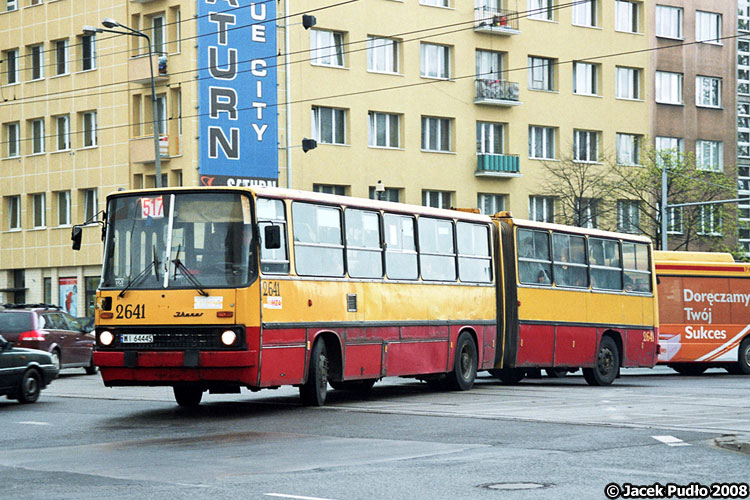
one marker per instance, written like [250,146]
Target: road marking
[671,441]
[34,423]
[281,495]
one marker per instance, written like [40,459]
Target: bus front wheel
[465,366]
[188,396]
[743,358]
[313,392]
[607,364]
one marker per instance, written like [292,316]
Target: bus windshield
[209,236]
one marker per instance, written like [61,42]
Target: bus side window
[318,242]
[569,254]
[364,252]
[637,268]
[400,250]
[606,271]
[272,260]
[534,266]
[437,256]
[474,262]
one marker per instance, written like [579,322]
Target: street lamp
[108,24]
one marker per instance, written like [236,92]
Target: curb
[735,443]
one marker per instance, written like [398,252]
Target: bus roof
[546,226]
[702,257]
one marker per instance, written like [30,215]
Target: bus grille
[174,339]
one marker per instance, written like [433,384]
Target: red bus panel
[535,345]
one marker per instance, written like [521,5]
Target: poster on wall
[69,295]
[238,124]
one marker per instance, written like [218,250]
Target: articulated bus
[704,310]
[215,289]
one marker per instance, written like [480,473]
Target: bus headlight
[106,338]
[228,337]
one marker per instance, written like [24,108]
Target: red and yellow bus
[215,289]
[704,310]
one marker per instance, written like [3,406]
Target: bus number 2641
[130,311]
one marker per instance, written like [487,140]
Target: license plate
[136,339]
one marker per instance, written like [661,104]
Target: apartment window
[490,204]
[435,60]
[390,194]
[157,35]
[668,87]
[708,27]
[674,220]
[88,52]
[626,16]
[383,130]
[668,149]
[437,199]
[541,73]
[63,208]
[489,65]
[39,201]
[327,48]
[541,9]
[62,123]
[11,66]
[628,216]
[436,134]
[743,67]
[709,155]
[61,57]
[669,21]
[37,136]
[542,208]
[89,129]
[709,223]
[89,205]
[10,5]
[743,132]
[586,146]
[13,139]
[627,85]
[541,142]
[328,125]
[585,13]
[707,91]
[587,212]
[382,55]
[36,53]
[490,138]
[36,2]
[14,213]
[585,78]
[628,149]
[435,3]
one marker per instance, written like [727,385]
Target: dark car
[45,327]
[24,372]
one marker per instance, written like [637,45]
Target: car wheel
[30,386]
[91,368]
[56,359]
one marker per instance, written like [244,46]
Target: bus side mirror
[76,235]
[272,237]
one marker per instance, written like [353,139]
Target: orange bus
[215,289]
[704,300]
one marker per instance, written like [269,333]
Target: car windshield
[15,322]
[209,235]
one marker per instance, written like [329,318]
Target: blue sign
[237,93]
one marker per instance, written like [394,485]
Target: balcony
[142,148]
[496,93]
[496,21]
[139,72]
[489,165]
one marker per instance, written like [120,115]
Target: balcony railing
[489,165]
[496,92]
[139,72]
[496,21]
[142,148]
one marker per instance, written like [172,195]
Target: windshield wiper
[154,264]
[186,272]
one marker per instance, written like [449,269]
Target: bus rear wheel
[313,392]
[743,358]
[188,396]
[607,364]
[689,368]
[465,366]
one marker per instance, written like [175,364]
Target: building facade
[442,102]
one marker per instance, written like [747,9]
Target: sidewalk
[740,443]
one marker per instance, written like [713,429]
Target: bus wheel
[556,372]
[607,364]
[188,396]
[743,358]
[360,386]
[508,376]
[465,366]
[689,368]
[313,392]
